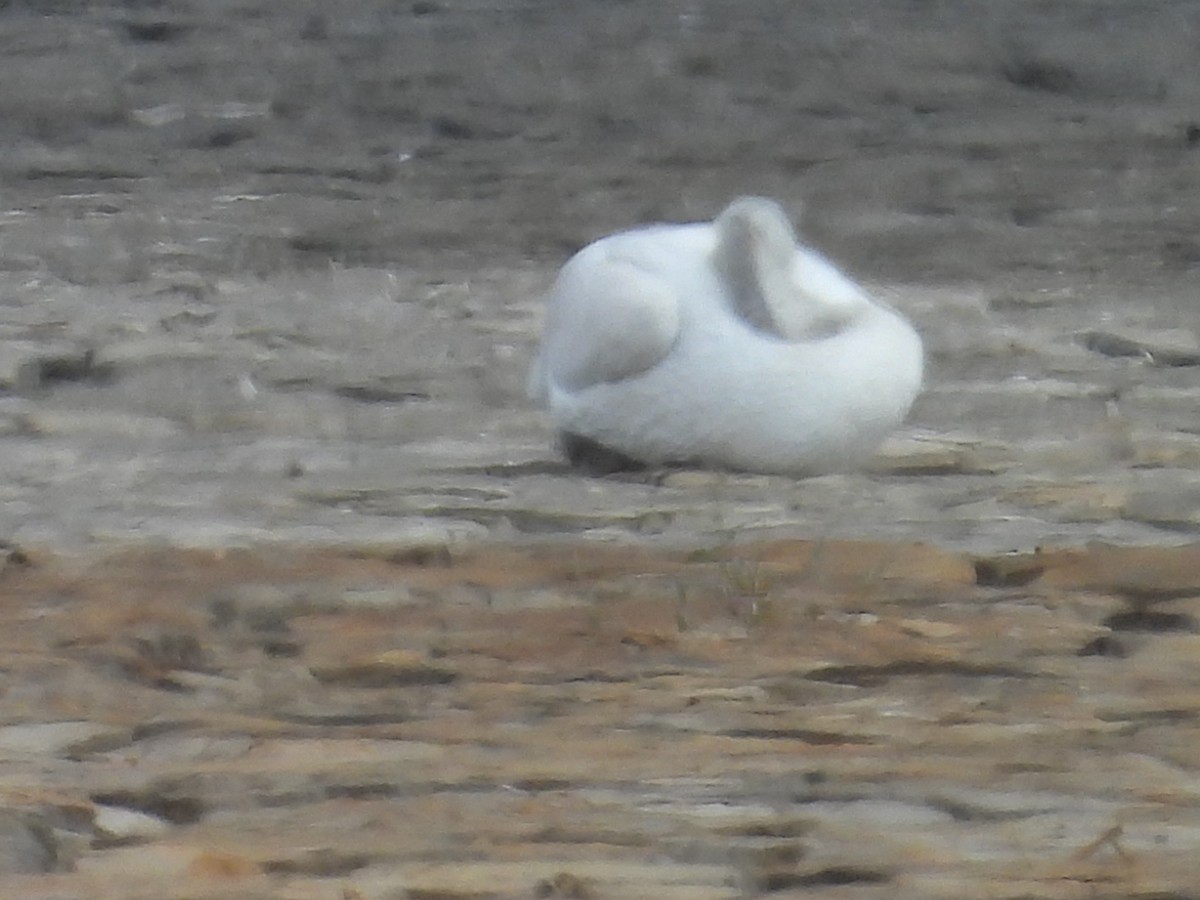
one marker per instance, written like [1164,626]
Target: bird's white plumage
[725,344]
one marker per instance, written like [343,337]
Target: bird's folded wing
[609,319]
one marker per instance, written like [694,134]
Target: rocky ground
[299,602]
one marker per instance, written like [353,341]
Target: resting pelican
[723,344]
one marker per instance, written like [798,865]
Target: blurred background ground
[243,243]
[269,276]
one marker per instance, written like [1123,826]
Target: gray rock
[117,826]
[46,739]
[28,844]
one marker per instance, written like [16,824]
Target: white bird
[725,344]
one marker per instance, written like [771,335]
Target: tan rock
[391,668]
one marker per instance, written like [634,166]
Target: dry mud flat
[297,602]
[818,719]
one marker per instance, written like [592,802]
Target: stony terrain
[299,602]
